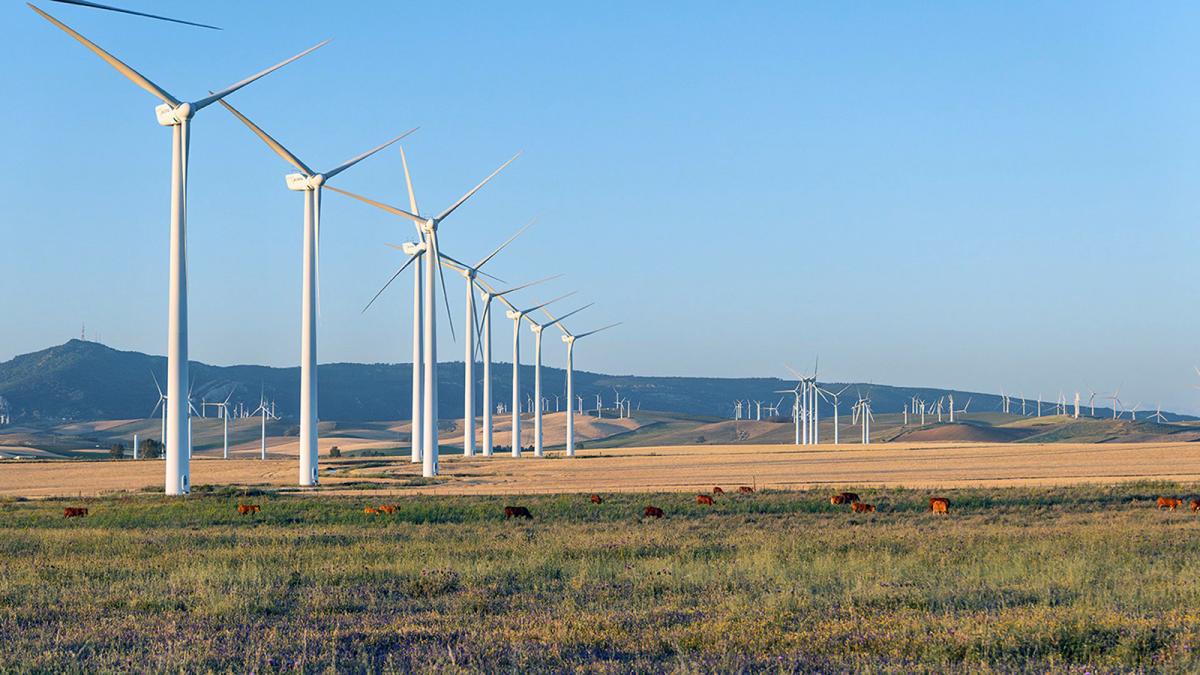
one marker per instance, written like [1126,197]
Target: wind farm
[842,339]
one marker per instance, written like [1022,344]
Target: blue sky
[976,195]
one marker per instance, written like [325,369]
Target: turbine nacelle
[514,315]
[169,115]
[412,248]
[300,182]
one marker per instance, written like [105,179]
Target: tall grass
[1013,580]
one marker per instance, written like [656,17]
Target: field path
[676,468]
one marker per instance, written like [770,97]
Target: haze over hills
[80,381]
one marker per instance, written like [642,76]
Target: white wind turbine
[862,414]
[223,407]
[176,114]
[268,412]
[162,402]
[1158,415]
[538,328]
[427,227]
[570,339]
[309,182]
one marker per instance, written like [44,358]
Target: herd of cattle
[937,505]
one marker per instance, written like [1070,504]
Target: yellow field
[676,468]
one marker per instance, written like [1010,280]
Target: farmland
[1014,578]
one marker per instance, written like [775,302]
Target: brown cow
[850,497]
[939,505]
[1195,504]
[704,499]
[746,489]
[597,499]
[652,512]
[859,507]
[517,512]
[389,508]
[1169,503]
[74,512]
[244,509]
[718,491]
[371,511]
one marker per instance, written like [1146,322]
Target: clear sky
[972,195]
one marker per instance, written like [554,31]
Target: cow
[850,497]
[652,512]
[746,489]
[597,499]
[1169,503]
[718,491]
[939,505]
[517,512]
[371,511]
[859,507]
[837,499]
[1195,504]
[74,512]
[704,499]
[389,508]
[244,509]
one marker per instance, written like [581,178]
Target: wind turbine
[825,394]
[309,182]
[84,3]
[176,114]
[224,408]
[427,227]
[862,413]
[539,406]
[570,339]
[267,412]
[162,402]
[1158,416]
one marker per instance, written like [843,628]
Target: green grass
[1014,579]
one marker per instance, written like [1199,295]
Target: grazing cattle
[244,509]
[837,499]
[371,511]
[388,508]
[718,491]
[596,499]
[1195,504]
[746,489]
[859,507]
[704,499]
[850,497]
[74,512]
[939,505]
[517,512]
[1169,503]
[652,512]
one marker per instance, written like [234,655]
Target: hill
[88,381]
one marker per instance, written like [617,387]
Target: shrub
[150,449]
[117,451]
[335,451]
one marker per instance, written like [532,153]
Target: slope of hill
[88,381]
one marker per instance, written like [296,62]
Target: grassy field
[1014,578]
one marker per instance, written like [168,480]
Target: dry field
[657,469]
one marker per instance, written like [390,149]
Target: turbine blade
[526,285]
[133,75]
[379,205]
[475,189]
[356,160]
[403,267]
[213,98]
[96,5]
[275,145]
[445,293]
[156,386]
[499,248]
[548,302]
[412,196]
[593,332]
[562,318]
